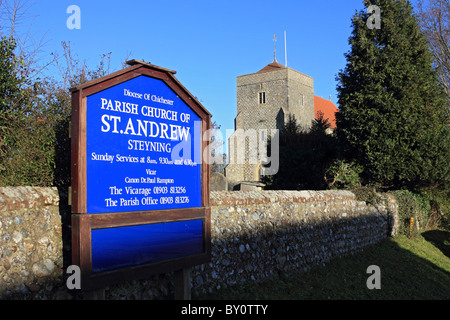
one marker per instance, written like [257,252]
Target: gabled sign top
[145,68]
[138,62]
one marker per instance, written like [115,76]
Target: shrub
[368,194]
[343,175]
[440,205]
[35,117]
[304,157]
[413,210]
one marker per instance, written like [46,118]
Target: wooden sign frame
[83,223]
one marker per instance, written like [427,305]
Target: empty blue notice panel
[121,247]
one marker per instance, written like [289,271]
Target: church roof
[272,66]
[327,108]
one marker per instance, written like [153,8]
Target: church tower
[265,100]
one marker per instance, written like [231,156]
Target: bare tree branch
[434,21]
[15,22]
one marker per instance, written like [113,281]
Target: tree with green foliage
[9,80]
[304,156]
[26,153]
[35,116]
[393,110]
[10,92]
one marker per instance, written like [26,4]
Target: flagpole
[285,50]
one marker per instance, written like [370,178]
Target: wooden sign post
[140,184]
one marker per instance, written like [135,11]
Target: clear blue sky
[208,42]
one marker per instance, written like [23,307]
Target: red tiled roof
[272,66]
[327,108]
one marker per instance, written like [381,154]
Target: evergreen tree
[304,156]
[393,110]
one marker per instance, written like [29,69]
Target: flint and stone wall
[258,235]
[30,241]
[255,235]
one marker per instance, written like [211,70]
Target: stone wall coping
[226,198]
[12,198]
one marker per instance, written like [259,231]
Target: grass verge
[417,268]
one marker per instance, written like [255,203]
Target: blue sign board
[140,193]
[143,149]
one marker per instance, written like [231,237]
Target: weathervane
[275,48]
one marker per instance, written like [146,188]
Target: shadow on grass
[404,276]
[440,239]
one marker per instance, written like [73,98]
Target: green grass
[417,268]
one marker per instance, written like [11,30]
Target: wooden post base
[182,282]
